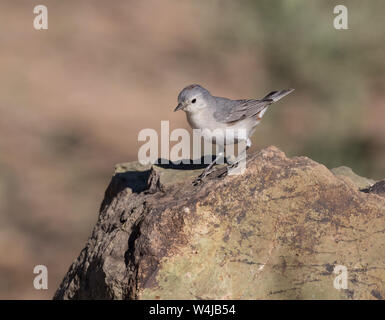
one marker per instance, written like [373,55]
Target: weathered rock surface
[275,232]
[347,173]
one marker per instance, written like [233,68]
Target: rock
[346,172]
[377,188]
[276,232]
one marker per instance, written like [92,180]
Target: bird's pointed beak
[180,106]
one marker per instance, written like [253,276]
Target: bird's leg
[248,144]
[237,161]
[208,169]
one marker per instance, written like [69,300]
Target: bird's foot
[227,169]
[231,166]
[201,177]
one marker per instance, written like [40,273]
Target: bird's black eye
[193,100]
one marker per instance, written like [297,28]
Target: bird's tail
[277,95]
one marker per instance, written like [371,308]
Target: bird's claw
[197,182]
[228,168]
[201,177]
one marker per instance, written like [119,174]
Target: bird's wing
[234,110]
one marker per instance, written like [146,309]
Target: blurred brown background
[74,97]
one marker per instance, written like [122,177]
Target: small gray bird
[205,111]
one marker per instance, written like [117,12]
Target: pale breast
[218,132]
[203,120]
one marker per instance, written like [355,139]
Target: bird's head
[193,98]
